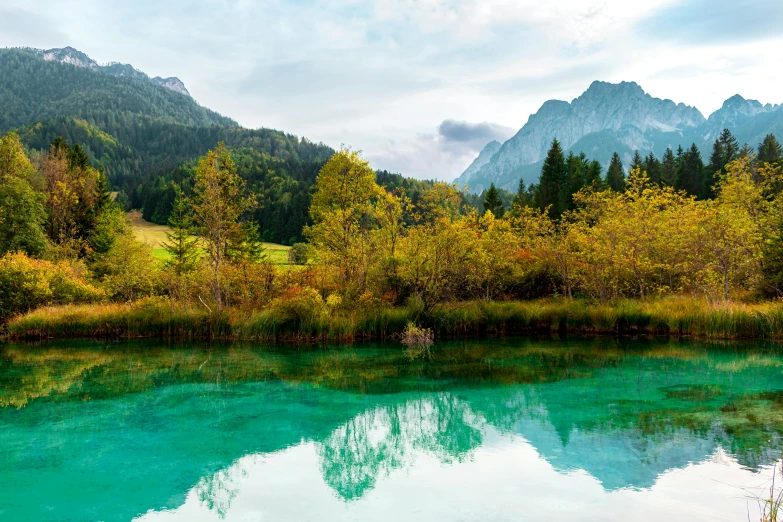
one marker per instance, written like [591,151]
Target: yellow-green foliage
[27,283]
[301,314]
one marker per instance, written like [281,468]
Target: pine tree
[522,197]
[247,245]
[553,181]
[102,191]
[636,162]
[180,243]
[730,147]
[492,202]
[77,158]
[725,150]
[652,166]
[593,175]
[576,167]
[716,158]
[669,168]
[690,174]
[770,150]
[615,175]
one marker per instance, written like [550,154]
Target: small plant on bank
[771,507]
[417,340]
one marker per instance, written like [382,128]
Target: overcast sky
[418,86]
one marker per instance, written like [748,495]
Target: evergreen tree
[669,168]
[652,166]
[59,144]
[180,243]
[747,152]
[636,162]
[492,202]
[770,150]
[615,175]
[576,167]
[730,146]
[725,150]
[691,172]
[552,183]
[593,175]
[102,191]
[716,164]
[522,197]
[247,245]
[77,158]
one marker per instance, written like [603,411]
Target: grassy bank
[162,319]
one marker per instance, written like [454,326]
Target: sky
[419,86]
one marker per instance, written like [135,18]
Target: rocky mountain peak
[71,56]
[737,105]
[615,117]
[603,107]
[602,89]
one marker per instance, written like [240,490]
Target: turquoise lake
[499,430]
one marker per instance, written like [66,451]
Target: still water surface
[487,430]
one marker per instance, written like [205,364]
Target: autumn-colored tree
[22,214]
[218,202]
[129,270]
[72,195]
[344,213]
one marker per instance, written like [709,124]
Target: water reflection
[113,432]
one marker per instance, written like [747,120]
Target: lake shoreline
[163,319]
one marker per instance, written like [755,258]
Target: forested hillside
[33,90]
[145,137]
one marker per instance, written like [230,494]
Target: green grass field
[155,235]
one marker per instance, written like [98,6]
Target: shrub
[27,283]
[298,254]
[129,270]
[417,337]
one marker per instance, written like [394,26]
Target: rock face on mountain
[173,84]
[620,118]
[482,159]
[75,57]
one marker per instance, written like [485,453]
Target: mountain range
[610,118]
[75,57]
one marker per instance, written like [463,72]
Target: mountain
[71,56]
[620,118]
[40,85]
[482,159]
[146,133]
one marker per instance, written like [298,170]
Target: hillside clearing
[155,236]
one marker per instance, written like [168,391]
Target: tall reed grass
[163,319]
